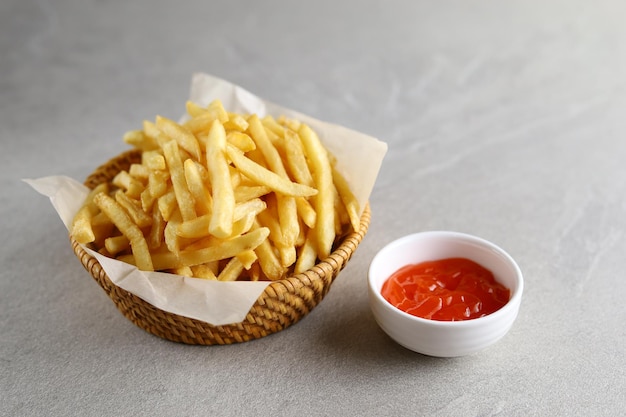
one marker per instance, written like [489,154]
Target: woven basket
[282,304]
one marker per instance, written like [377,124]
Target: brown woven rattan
[282,304]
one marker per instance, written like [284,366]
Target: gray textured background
[503,119]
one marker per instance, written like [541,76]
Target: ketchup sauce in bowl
[444,293]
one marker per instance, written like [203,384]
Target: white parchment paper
[359,158]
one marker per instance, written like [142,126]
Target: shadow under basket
[282,304]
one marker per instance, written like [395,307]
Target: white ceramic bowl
[443,338]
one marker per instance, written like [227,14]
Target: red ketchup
[450,289]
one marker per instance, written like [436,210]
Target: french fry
[153,160]
[244,225]
[290,123]
[194,228]
[350,202]
[219,173]
[167,205]
[131,185]
[231,271]
[157,182]
[194,110]
[155,238]
[296,160]
[247,258]
[307,255]
[271,124]
[266,177]
[139,171]
[183,270]
[324,200]
[250,192]
[116,244]
[204,118]
[240,140]
[236,122]
[81,227]
[181,135]
[254,207]
[201,195]
[82,224]
[225,249]
[205,271]
[268,261]
[134,209]
[140,140]
[306,212]
[129,229]
[181,191]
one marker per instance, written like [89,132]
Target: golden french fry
[225,249]
[268,150]
[266,177]
[240,140]
[269,262]
[154,134]
[219,173]
[183,196]
[140,140]
[131,185]
[116,244]
[324,200]
[139,171]
[129,229]
[147,200]
[231,271]
[254,273]
[181,135]
[167,205]
[288,218]
[236,123]
[134,209]
[195,228]
[201,121]
[158,182]
[254,207]
[173,241]
[350,202]
[250,192]
[244,225]
[204,271]
[271,124]
[247,258]
[156,236]
[269,218]
[290,123]
[307,255]
[81,227]
[83,222]
[100,219]
[182,270]
[194,110]
[200,193]
[153,160]
[306,212]
[296,161]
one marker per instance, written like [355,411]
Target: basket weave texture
[282,304]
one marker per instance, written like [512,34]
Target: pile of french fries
[221,196]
